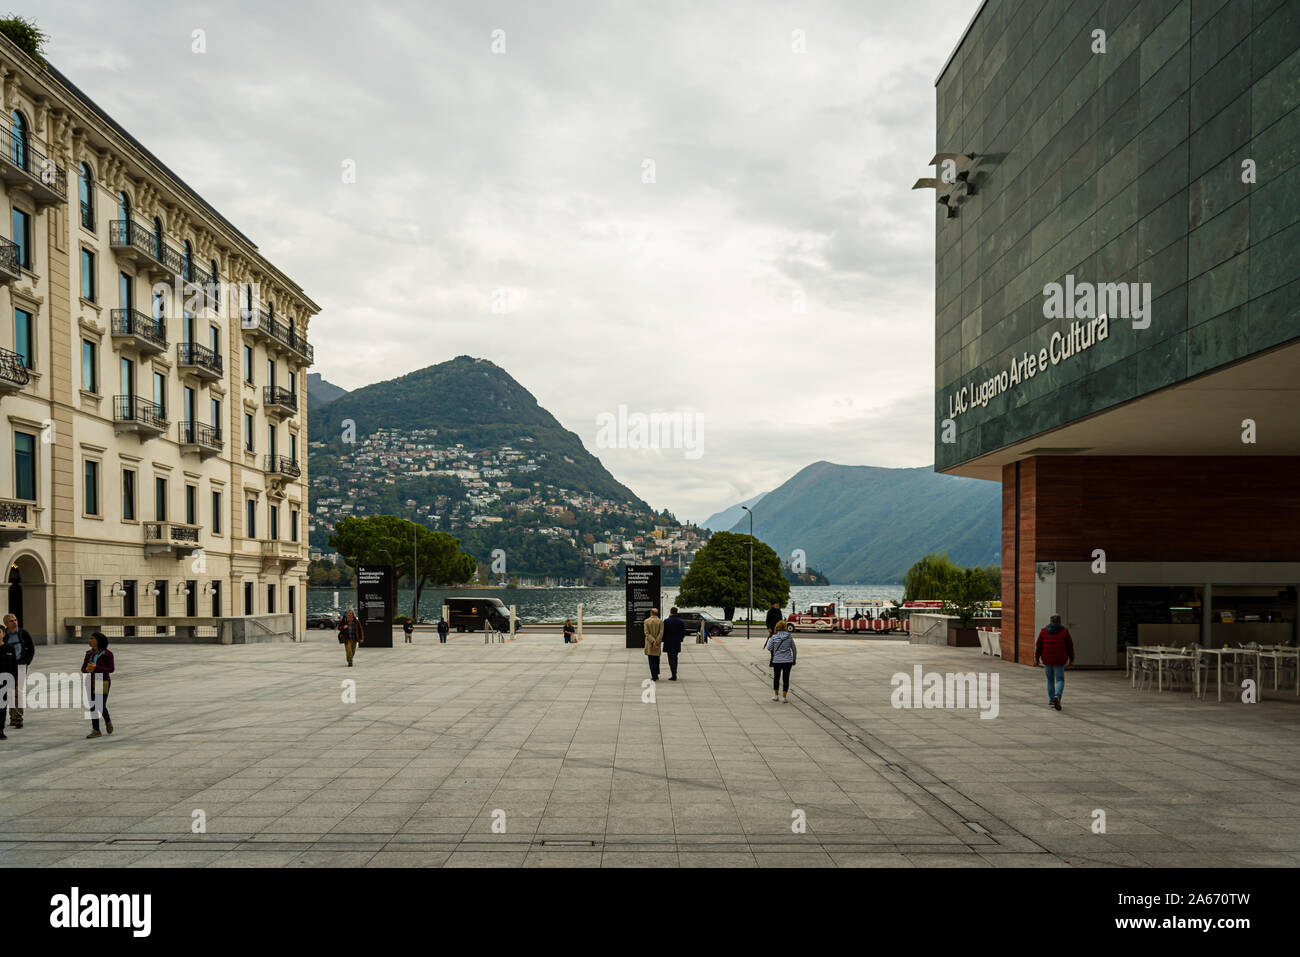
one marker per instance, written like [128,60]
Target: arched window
[212,281]
[124,207]
[18,140]
[157,239]
[87,187]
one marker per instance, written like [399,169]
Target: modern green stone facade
[1125,166]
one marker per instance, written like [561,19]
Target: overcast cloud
[776,173]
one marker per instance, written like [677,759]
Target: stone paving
[712,773]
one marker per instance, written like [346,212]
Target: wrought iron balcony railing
[279,330]
[88,215]
[13,370]
[128,234]
[10,268]
[274,395]
[198,356]
[20,159]
[282,465]
[190,432]
[133,408]
[131,322]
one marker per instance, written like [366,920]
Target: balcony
[134,414]
[283,466]
[17,520]
[10,270]
[198,360]
[163,537]
[25,167]
[13,372]
[197,438]
[280,403]
[198,286]
[282,554]
[136,244]
[278,333]
[130,327]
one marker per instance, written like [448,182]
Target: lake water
[599,604]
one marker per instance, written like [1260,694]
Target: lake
[599,604]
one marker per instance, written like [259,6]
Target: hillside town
[489,499]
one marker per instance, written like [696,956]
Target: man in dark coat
[1054,648]
[19,649]
[443,628]
[773,617]
[674,633]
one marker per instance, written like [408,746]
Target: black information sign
[375,604]
[642,586]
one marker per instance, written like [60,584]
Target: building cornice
[67,116]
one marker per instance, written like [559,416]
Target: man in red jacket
[1054,648]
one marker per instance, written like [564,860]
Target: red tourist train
[878,615]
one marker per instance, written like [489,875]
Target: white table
[1160,657]
[1277,654]
[1131,650]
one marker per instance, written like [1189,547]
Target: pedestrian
[20,643]
[773,617]
[351,633]
[781,645]
[568,630]
[443,628]
[654,641]
[1054,648]
[98,661]
[407,627]
[674,634]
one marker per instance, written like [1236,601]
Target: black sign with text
[375,604]
[642,588]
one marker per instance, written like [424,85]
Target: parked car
[712,626]
[322,621]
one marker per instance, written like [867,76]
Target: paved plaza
[586,774]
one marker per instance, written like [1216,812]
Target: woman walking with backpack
[781,645]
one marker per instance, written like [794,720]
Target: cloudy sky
[677,210]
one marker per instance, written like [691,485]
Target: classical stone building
[1117,295]
[152,446]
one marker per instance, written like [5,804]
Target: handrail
[13,369]
[134,408]
[278,395]
[191,432]
[132,322]
[20,152]
[127,232]
[9,258]
[194,354]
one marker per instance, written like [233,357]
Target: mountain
[724,520]
[477,403]
[867,525]
[319,391]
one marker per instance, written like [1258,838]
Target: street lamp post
[749,618]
